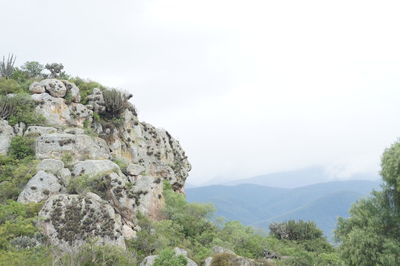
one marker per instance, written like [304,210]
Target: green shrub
[33,69]
[21,147]
[39,256]
[86,87]
[20,108]
[92,254]
[295,230]
[98,184]
[167,257]
[9,86]
[14,174]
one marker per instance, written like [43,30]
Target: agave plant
[7,66]
[7,107]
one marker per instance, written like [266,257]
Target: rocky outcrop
[69,220]
[86,193]
[6,134]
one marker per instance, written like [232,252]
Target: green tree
[33,69]
[371,235]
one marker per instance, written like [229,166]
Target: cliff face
[94,174]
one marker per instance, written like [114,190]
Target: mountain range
[258,205]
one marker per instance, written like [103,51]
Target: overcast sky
[247,87]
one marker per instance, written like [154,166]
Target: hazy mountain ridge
[258,205]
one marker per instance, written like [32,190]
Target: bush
[21,147]
[167,257]
[14,174]
[20,108]
[92,254]
[33,69]
[292,230]
[86,87]
[9,86]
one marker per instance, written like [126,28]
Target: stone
[40,187]
[73,90]
[70,220]
[56,112]
[150,260]
[51,166]
[54,87]
[36,87]
[94,167]
[36,131]
[6,134]
[19,129]
[135,169]
[128,232]
[77,147]
[64,175]
[79,114]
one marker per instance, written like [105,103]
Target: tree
[55,69]
[371,235]
[33,69]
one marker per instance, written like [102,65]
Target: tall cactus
[7,66]
[115,103]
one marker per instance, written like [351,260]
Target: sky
[247,87]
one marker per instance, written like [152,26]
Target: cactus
[115,103]
[7,66]
[55,69]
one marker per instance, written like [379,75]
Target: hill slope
[260,205]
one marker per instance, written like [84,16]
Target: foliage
[38,256]
[16,220]
[7,66]
[92,254]
[98,184]
[295,230]
[14,174]
[115,103]
[86,87]
[9,86]
[20,108]
[33,69]
[168,257]
[55,69]
[371,235]
[21,147]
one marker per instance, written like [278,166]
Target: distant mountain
[296,178]
[258,205]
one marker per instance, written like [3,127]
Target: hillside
[259,205]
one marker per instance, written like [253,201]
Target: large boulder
[40,187]
[70,220]
[73,91]
[50,166]
[55,110]
[6,134]
[76,147]
[54,87]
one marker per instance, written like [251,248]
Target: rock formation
[94,174]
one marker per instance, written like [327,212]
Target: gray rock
[79,113]
[69,220]
[94,167]
[78,147]
[6,134]
[36,87]
[53,109]
[73,90]
[135,169]
[64,175]
[149,260]
[54,87]
[51,166]
[19,129]
[36,131]
[40,187]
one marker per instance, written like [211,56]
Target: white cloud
[248,87]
